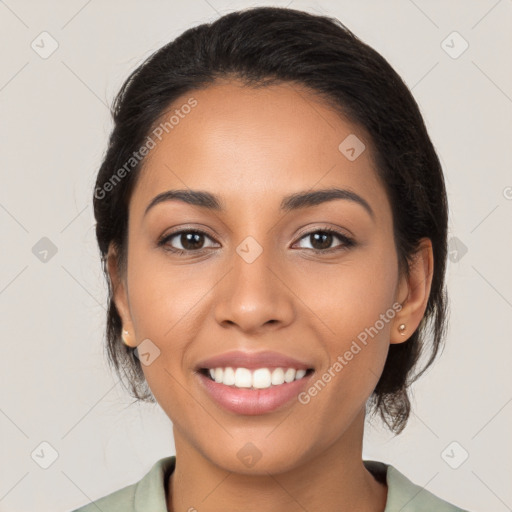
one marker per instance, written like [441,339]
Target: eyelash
[347,242]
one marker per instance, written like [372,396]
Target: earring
[124,335]
[401,329]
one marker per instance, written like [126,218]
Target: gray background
[56,387]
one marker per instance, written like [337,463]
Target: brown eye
[322,239]
[186,241]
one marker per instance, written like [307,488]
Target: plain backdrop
[61,407]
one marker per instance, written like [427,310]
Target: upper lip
[252,360]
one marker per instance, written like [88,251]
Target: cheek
[350,296]
[168,305]
[164,297]
[353,304]
[168,309]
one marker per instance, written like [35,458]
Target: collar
[403,495]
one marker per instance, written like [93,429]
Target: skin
[252,147]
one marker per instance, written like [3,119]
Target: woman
[272,219]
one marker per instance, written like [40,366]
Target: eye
[190,241]
[193,240]
[322,239]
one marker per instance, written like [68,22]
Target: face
[250,276]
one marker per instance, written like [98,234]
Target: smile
[242,397]
[259,378]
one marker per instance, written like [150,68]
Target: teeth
[289,375]
[243,378]
[277,377]
[260,378]
[300,374]
[228,377]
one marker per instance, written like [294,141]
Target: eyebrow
[296,201]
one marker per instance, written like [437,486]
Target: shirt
[149,493]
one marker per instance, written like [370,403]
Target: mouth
[252,383]
[254,392]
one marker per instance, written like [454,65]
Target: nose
[254,296]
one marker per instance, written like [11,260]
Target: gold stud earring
[124,335]
[401,329]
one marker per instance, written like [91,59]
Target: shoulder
[406,496]
[149,493]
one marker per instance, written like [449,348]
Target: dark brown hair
[262,46]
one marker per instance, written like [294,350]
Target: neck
[335,480]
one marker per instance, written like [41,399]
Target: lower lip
[252,401]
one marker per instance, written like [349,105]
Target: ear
[413,292]
[120,295]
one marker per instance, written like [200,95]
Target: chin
[249,459]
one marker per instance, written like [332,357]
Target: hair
[270,45]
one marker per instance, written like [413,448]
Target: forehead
[252,146]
